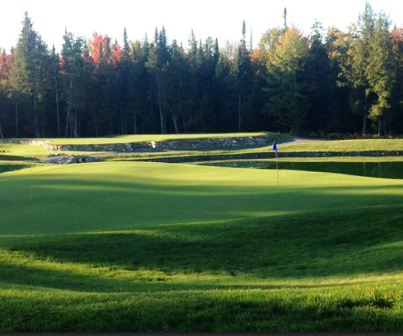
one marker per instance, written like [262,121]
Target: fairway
[124,246]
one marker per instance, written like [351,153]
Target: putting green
[116,196]
[163,247]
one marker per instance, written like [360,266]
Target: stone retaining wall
[170,145]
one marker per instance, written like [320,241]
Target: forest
[327,83]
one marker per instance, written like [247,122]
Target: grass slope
[149,137]
[358,145]
[159,247]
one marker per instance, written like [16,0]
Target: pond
[380,169]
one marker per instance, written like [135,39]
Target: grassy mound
[159,247]
[149,137]
[359,145]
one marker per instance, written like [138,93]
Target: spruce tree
[244,76]
[29,72]
[359,57]
[380,70]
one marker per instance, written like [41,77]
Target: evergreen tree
[29,71]
[157,63]
[396,115]
[55,74]
[359,57]
[243,74]
[285,62]
[314,90]
[380,70]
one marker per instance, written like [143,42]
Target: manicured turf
[6,166]
[358,145]
[149,137]
[17,152]
[163,247]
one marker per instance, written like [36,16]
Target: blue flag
[275,146]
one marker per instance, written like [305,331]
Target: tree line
[325,83]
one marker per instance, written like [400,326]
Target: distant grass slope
[358,145]
[17,152]
[159,247]
[6,166]
[286,145]
[149,137]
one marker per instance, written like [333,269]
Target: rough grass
[159,247]
[149,137]
[16,152]
[358,145]
[285,145]
[6,166]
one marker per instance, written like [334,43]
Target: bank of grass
[19,152]
[160,247]
[336,159]
[24,152]
[286,145]
[359,145]
[150,137]
[16,151]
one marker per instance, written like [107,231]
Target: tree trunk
[135,122]
[57,108]
[122,120]
[36,119]
[364,120]
[175,122]
[16,119]
[379,127]
[69,108]
[76,109]
[162,121]
[239,111]
[1,132]
[364,124]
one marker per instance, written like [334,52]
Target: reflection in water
[392,169]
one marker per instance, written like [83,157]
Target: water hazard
[380,169]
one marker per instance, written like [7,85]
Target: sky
[220,19]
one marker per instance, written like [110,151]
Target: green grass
[163,247]
[6,166]
[148,137]
[358,145]
[16,152]
[285,145]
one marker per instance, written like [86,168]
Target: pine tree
[55,73]
[314,90]
[29,72]
[157,63]
[380,70]
[284,61]
[359,56]
[396,115]
[244,75]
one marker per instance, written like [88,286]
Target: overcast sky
[215,18]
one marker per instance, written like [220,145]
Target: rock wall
[170,145]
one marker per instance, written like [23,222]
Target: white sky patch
[215,18]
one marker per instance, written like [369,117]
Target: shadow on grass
[217,311]
[282,247]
